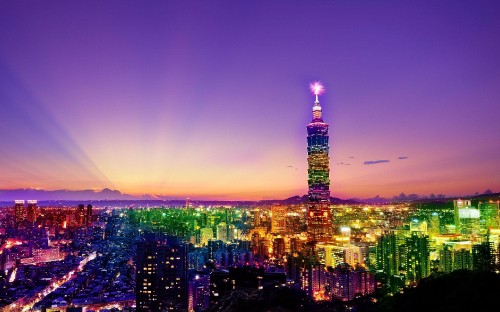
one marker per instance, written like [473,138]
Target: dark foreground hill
[458,291]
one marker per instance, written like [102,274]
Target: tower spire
[316,88]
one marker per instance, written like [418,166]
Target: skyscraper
[417,257]
[278,219]
[80,215]
[319,222]
[161,282]
[88,216]
[488,214]
[32,211]
[387,254]
[457,205]
[20,211]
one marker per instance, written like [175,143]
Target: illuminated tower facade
[457,205]
[80,215]
[88,216]
[20,211]
[319,222]
[32,211]
[161,281]
[278,219]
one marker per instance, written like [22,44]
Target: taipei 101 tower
[319,221]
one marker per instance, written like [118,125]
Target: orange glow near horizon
[242,176]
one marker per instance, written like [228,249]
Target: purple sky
[210,99]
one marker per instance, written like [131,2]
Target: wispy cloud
[374,162]
[402,157]
[292,167]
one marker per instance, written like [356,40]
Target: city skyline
[210,101]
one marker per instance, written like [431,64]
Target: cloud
[351,156]
[343,164]
[374,162]
[291,167]
[402,157]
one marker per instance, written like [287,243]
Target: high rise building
[417,257]
[462,259]
[80,215]
[161,282]
[482,257]
[488,214]
[88,216]
[222,231]
[314,279]
[434,224]
[387,254]
[278,219]
[355,255]
[279,248]
[446,259]
[32,211]
[319,222]
[205,235]
[469,222]
[346,282]
[494,239]
[232,232]
[331,254]
[20,211]
[457,205]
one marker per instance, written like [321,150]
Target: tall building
[346,282]
[232,232]
[279,248]
[80,215]
[278,219]
[20,211]
[457,205]
[482,257]
[355,255]
[417,257]
[205,235]
[319,222]
[488,214]
[32,211]
[446,259]
[462,259]
[161,282]
[469,222]
[434,224]
[314,280]
[387,254]
[88,216]
[222,231]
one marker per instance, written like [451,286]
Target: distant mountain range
[115,195]
[9,195]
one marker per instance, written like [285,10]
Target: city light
[171,157]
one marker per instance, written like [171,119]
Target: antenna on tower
[317,88]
